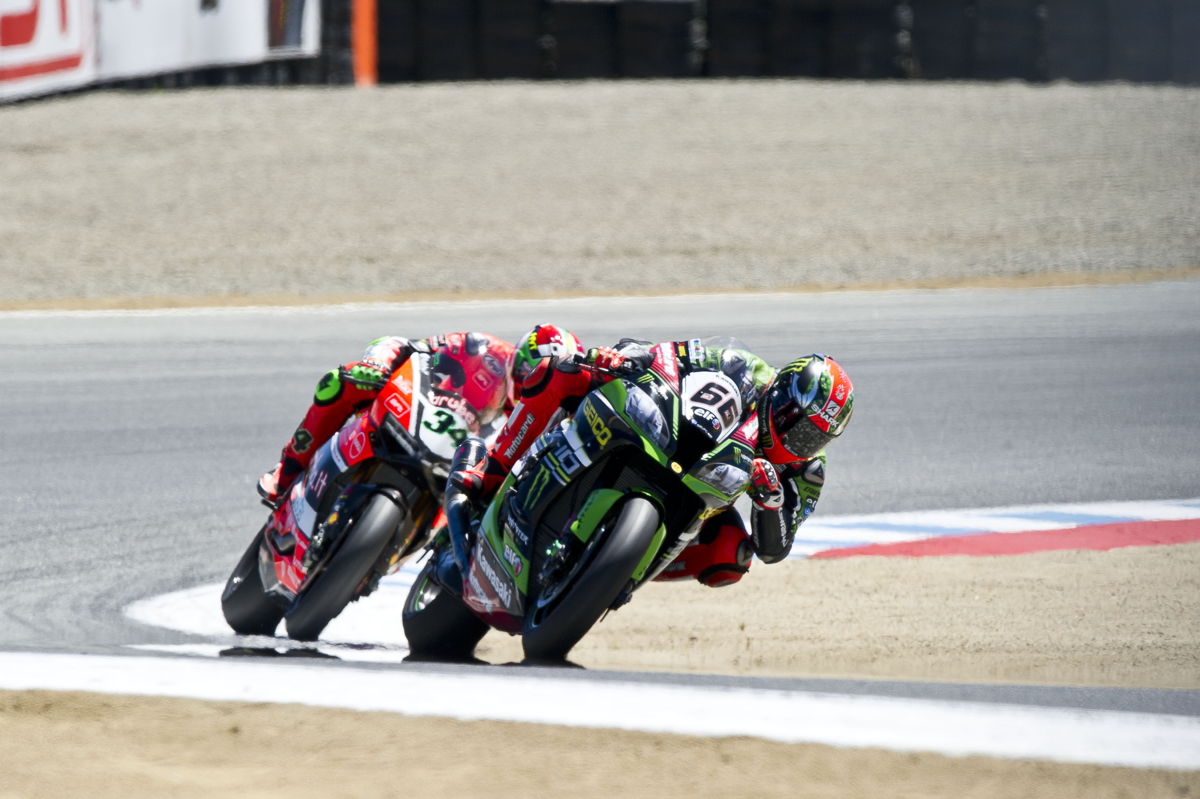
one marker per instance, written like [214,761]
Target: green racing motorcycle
[600,504]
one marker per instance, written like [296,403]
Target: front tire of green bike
[552,635]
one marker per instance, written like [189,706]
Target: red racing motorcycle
[370,498]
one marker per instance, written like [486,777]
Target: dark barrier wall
[1032,40]
[581,40]
[1076,40]
[1007,40]
[1185,42]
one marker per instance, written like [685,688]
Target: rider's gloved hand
[370,374]
[766,490]
[609,360]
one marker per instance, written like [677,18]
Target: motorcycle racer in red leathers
[477,366]
[485,370]
[800,409]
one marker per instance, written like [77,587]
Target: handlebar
[630,367]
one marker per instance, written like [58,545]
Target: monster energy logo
[540,481]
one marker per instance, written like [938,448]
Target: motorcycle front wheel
[437,623]
[349,566]
[549,635]
[248,609]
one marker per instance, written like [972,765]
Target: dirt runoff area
[541,189]
[1127,617]
[250,195]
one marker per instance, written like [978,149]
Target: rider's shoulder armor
[750,373]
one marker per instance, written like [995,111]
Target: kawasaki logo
[503,590]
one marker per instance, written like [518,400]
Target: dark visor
[805,439]
[795,430]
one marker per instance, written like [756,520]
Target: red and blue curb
[1002,531]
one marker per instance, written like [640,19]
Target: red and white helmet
[807,405]
[543,341]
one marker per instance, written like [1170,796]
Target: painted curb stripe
[821,534]
[1094,537]
[1075,518]
[893,527]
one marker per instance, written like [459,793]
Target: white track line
[951,728]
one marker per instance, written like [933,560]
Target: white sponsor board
[50,45]
[45,46]
[145,38]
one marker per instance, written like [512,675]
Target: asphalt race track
[132,440]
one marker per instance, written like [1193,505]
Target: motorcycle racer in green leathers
[800,409]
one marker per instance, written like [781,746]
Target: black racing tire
[437,623]
[248,609]
[338,583]
[552,636]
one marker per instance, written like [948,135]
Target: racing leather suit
[721,552]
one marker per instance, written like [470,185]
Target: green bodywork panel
[594,511]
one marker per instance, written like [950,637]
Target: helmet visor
[792,429]
[805,439]
[522,365]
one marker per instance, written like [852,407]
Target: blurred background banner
[285,28]
[51,45]
[143,37]
[45,46]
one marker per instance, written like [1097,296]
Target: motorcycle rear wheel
[437,623]
[352,563]
[551,637]
[248,609]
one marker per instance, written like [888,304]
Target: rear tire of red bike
[248,609]
[349,566]
[437,623]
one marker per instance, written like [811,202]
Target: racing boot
[276,482]
[719,555]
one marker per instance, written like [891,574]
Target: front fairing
[427,423]
[719,474]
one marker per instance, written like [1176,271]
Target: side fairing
[722,475]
